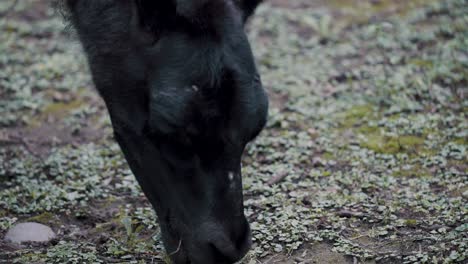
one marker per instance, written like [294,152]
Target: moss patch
[461,141]
[60,108]
[44,218]
[413,171]
[356,115]
[361,10]
[391,144]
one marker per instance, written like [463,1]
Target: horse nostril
[224,251]
[243,241]
[232,250]
[219,256]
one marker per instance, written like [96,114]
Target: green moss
[415,171]
[391,145]
[355,115]
[104,227]
[61,108]
[411,222]
[461,141]
[359,111]
[394,117]
[328,156]
[422,63]
[58,110]
[139,229]
[111,199]
[380,144]
[167,259]
[410,141]
[365,9]
[43,218]
[31,257]
[458,163]
[365,130]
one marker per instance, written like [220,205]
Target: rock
[31,232]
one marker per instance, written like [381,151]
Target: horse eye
[257,78]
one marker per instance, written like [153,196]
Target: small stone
[465,194]
[317,161]
[31,232]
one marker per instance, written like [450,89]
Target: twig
[268,261]
[110,260]
[357,237]
[21,141]
[178,248]
[348,214]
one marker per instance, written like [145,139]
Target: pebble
[29,232]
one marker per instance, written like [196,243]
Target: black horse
[179,81]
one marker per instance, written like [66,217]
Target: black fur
[184,96]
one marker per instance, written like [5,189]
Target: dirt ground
[363,159]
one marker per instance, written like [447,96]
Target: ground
[363,159]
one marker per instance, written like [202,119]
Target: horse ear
[189,8]
[248,7]
[139,26]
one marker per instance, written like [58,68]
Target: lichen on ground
[367,123]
